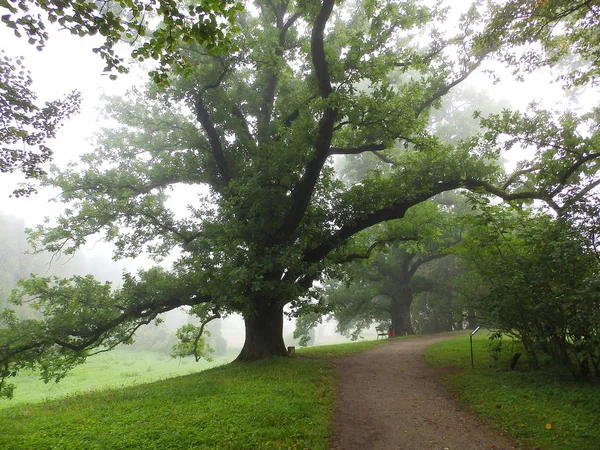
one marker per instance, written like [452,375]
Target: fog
[68,63]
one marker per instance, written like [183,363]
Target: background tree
[14,245]
[439,308]
[537,22]
[25,125]
[18,262]
[360,302]
[256,130]
[382,288]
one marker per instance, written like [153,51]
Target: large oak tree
[256,131]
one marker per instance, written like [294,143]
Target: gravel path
[389,398]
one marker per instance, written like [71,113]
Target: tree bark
[401,321]
[264,334]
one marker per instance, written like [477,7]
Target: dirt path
[389,398]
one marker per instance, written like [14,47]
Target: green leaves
[80,316]
[25,125]
[537,279]
[567,31]
[209,22]
[564,167]
[191,342]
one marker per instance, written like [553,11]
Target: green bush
[538,282]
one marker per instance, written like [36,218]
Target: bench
[382,330]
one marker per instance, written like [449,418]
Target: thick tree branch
[385,159]
[207,124]
[569,171]
[287,26]
[474,184]
[237,113]
[92,337]
[398,209]
[296,113]
[580,195]
[517,173]
[394,211]
[424,260]
[318,49]
[302,193]
[343,259]
[266,109]
[214,139]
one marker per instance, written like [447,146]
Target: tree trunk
[264,334]
[401,302]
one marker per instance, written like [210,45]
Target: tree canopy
[561,29]
[247,141]
[154,28]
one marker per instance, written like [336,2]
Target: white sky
[66,64]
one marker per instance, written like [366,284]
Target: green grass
[119,368]
[339,350]
[542,409]
[284,403]
[275,404]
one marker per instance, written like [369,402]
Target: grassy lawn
[543,409]
[338,350]
[284,403]
[119,368]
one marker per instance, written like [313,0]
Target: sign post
[471,339]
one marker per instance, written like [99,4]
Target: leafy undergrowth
[275,404]
[544,410]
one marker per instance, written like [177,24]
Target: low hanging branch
[60,341]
